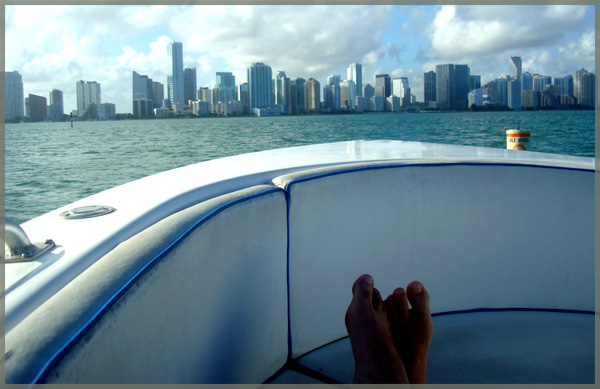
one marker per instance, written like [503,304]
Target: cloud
[486,36]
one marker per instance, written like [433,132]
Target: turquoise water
[49,165]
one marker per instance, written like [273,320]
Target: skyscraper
[175,74]
[474,82]
[429,87]
[583,86]
[514,94]
[142,88]
[56,104]
[383,85]
[89,98]
[158,90]
[38,111]
[526,81]
[297,95]
[282,92]
[347,95]
[312,95]
[260,85]
[566,84]
[224,90]
[189,85]
[452,86]
[514,65]
[587,90]
[401,90]
[13,95]
[355,74]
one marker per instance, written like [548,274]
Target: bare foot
[412,329]
[375,354]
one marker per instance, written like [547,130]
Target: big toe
[418,297]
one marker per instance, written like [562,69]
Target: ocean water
[49,165]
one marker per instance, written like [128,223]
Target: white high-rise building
[13,95]
[260,85]
[401,90]
[347,95]
[175,74]
[88,93]
[355,74]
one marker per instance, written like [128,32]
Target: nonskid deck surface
[506,347]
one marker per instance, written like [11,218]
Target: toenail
[417,288]
[368,279]
[399,292]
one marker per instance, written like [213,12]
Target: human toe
[418,296]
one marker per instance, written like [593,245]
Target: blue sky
[55,46]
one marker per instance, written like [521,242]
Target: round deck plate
[86,212]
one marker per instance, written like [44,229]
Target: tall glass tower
[13,95]
[175,74]
[355,74]
[260,85]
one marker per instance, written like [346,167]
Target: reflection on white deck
[507,347]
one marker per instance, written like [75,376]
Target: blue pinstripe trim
[476,310]
[68,346]
[405,165]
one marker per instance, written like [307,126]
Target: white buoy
[518,139]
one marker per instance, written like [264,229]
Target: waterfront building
[297,95]
[550,96]
[452,86]
[158,91]
[244,96]
[476,97]
[401,90]
[175,85]
[359,104]
[224,90]
[56,108]
[567,101]
[530,99]
[383,85]
[108,111]
[312,95]
[142,87]
[377,103]
[13,95]
[143,107]
[539,81]
[514,65]
[429,87]
[566,85]
[38,111]
[526,81]
[204,94]
[583,87]
[89,98]
[200,108]
[347,95]
[474,82]
[587,90]
[392,104]
[282,92]
[514,94]
[260,85]
[368,91]
[334,79]
[189,85]
[355,74]
[331,97]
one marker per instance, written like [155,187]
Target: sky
[54,46]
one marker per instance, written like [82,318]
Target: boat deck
[488,347]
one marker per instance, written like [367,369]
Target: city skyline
[402,41]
